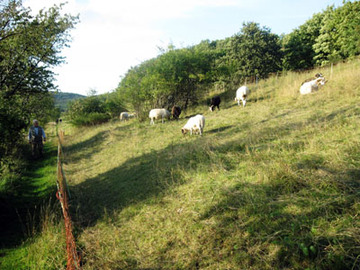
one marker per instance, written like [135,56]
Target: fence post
[63,194]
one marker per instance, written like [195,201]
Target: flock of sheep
[196,123]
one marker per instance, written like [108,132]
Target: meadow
[274,185]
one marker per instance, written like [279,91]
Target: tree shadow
[24,199]
[277,216]
[138,179]
[220,129]
[255,215]
[85,149]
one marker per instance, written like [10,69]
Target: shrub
[93,118]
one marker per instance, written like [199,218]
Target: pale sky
[115,35]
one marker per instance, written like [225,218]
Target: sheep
[215,102]
[311,86]
[157,114]
[195,123]
[176,111]
[241,95]
[124,116]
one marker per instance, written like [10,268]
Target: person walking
[36,136]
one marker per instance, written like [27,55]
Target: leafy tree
[298,45]
[29,47]
[339,36]
[254,51]
[178,76]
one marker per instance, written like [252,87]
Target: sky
[115,35]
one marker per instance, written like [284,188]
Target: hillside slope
[274,185]
[271,185]
[62,99]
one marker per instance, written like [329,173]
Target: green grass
[274,185]
[32,235]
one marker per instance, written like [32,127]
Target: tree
[254,51]
[298,45]
[29,47]
[178,76]
[339,36]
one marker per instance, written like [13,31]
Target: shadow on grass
[278,222]
[259,217]
[220,129]
[145,177]
[250,215]
[138,179]
[24,197]
[88,147]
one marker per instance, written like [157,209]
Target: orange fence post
[63,194]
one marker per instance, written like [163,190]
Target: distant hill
[62,99]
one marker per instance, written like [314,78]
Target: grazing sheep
[157,114]
[215,102]
[124,116]
[196,124]
[132,115]
[311,86]
[176,111]
[241,95]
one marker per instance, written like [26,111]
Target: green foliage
[339,36]
[185,76]
[92,118]
[328,37]
[113,104]
[254,52]
[94,109]
[175,77]
[29,47]
[87,105]
[298,45]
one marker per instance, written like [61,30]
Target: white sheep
[124,116]
[241,95]
[157,114]
[311,86]
[196,124]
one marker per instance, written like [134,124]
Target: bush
[91,119]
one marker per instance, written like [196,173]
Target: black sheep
[215,102]
[176,111]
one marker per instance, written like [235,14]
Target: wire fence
[63,194]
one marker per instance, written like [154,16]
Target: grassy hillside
[274,185]
[62,99]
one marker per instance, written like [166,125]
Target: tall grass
[271,185]
[274,185]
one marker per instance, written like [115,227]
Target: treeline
[94,109]
[185,76]
[29,47]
